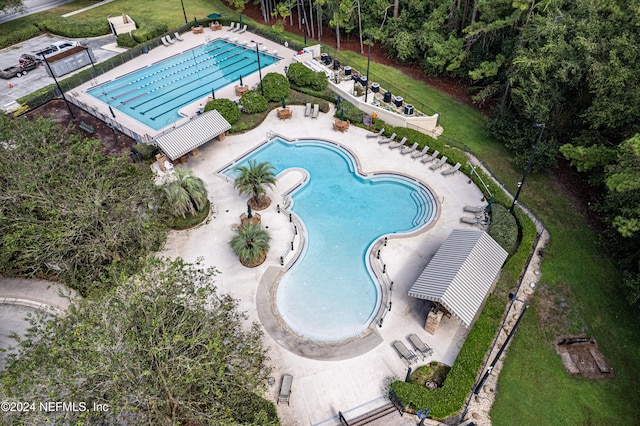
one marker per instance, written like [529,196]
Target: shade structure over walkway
[193,134]
[461,273]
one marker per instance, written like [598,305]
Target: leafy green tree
[186,193]
[275,86]
[253,102]
[162,348]
[227,108]
[70,212]
[251,244]
[253,179]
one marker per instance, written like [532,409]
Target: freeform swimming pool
[153,95]
[330,293]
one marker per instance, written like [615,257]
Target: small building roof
[461,273]
[192,134]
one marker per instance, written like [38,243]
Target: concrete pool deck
[357,381]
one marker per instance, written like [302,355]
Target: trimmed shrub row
[73,28]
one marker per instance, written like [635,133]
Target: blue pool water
[154,94]
[330,293]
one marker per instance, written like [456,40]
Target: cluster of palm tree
[251,242]
[186,193]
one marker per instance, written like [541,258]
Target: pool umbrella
[342,114]
[284,104]
[214,16]
[213,94]
[249,215]
[241,80]
[195,22]
[241,19]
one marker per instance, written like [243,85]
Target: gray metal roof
[461,273]
[191,135]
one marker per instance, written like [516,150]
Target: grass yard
[533,387]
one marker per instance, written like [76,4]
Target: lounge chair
[165,42]
[232,27]
[244,29]
[430,158]
[395,145]
[316,111]
[285,388]
[307,109]
[419,345]
[387,140]
[451,171]
[472,220]
[441,162]
[169,39]
[405,353]
[474,209]
[177,36]
[419,154]
[376,135]
[409,149]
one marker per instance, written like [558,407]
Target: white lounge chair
[387,140]
[376,135]
[474,209]
[169,39]
[316,111]
[244,29]
[285,389]
[307,109]
[177,36]
[165,42]
[405,353]
[419,345]
[450,171]
[430,158]
[473,220]
[232,27]
[409,149]
[441,162]
[395,145]
[419,154]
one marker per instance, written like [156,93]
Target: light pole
[366,88]
[304,31]
[528,169]
[184,13]
[259,69]
[58,86]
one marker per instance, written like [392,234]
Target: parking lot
[10,90]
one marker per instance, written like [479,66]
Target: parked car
[27,63]
[56,47]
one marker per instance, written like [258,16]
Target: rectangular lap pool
[153,95]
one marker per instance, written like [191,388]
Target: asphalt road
[32,6]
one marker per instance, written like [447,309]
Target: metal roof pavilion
[461,273]
[192,134]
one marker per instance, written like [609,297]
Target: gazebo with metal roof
[461,273]
[191,135]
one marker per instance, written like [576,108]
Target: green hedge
[125,40]
[147,29]
[228,109]
[17,35]
[73,27]
[275,86]
[503,227]
[253,102]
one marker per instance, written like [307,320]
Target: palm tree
[254,179]
[186,193]
[251,244]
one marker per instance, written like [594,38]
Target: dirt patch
[114,142]
[581,356]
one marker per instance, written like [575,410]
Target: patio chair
[285,388]
[474,209]
[316,111]
[169,39]
[419,154]
[405,353]
[451,170]
[473,220]
[244,29]
[419,345]
[387,140]
[376,135]
[307,109]
[395,145]
[165,42]
[430,158]
[441,162]
[409,149]
[177,36]
[232,27]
